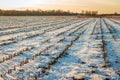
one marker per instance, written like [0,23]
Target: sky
[102,6]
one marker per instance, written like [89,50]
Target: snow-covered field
[59,48]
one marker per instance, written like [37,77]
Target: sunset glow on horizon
[102,6]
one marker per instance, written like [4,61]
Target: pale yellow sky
[103,6]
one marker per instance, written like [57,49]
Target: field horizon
[60,40]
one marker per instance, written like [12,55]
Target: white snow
[37,39]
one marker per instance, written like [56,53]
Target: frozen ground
[59,48]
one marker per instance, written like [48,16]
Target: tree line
[91,13]
[38,12]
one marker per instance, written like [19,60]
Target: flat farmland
[59,48]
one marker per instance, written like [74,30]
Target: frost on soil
[59,48]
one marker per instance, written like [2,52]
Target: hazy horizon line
[80,11]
